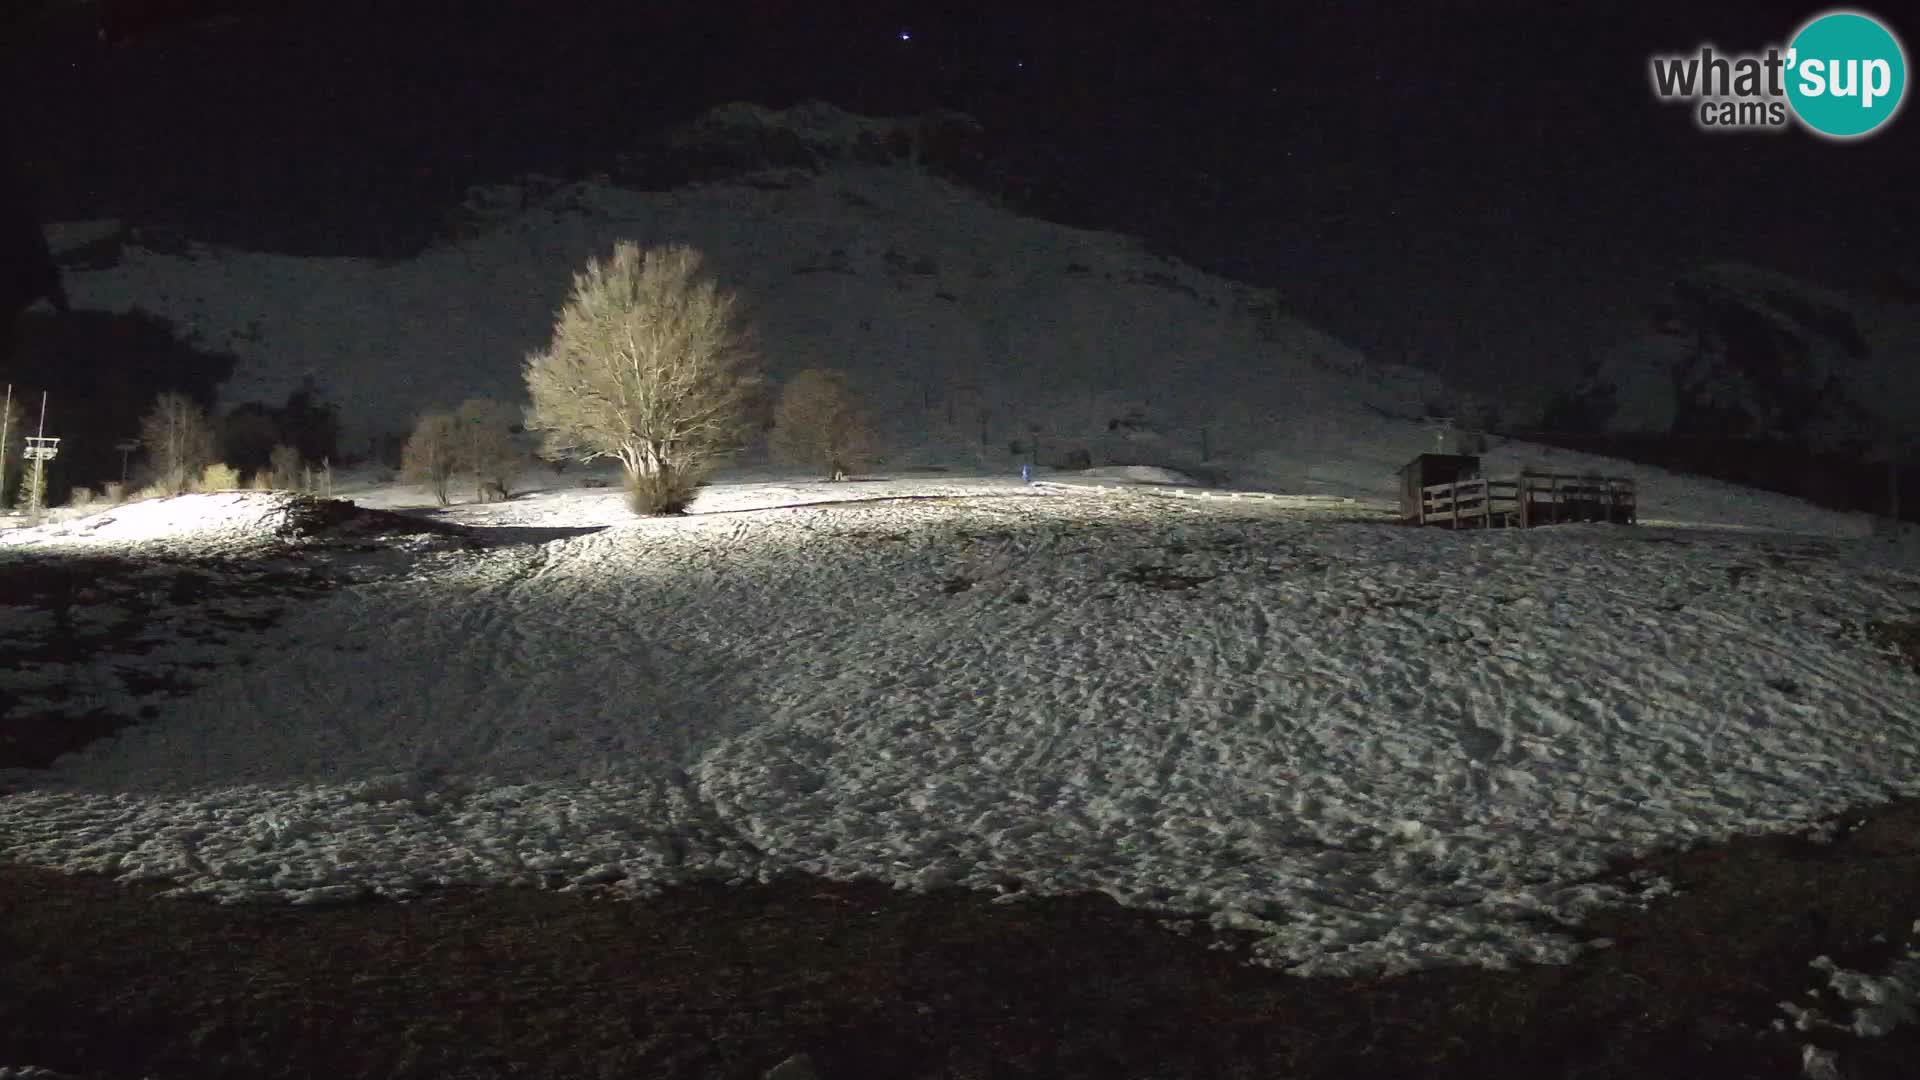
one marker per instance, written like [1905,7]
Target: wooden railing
[1483,502]
[1529,499]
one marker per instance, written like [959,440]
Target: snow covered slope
[969,327]
[1380,747]
[1745,352]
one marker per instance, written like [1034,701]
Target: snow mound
[212,517]
[1137,474]
[222,521]
[1880,1003]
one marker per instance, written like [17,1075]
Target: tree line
[651,363]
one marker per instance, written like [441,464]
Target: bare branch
[649,364]
[818,422]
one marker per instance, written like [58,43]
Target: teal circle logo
[1846,74]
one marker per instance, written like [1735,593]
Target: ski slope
[1381,748]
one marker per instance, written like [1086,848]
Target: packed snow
[1379,747]
[232,521]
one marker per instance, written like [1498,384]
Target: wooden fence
[1527,500]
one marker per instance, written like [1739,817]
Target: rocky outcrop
[1761,379]
[1734,352]
[742,139]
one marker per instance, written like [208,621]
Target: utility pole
[6,414]
[39,461]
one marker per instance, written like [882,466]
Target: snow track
[1383,747]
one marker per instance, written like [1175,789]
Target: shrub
[388,448]
[309,425]
[486,448]
[1078,458]
[251,431]
[262,480]
[430,456]
[114,493]
[179,442]
[649,364]
[668,491]
[817,422]
[81,497]
[288,468]
[248,435]
[33,489]
[218,477]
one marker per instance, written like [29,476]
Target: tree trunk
[645,460]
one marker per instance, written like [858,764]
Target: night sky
[1479,188]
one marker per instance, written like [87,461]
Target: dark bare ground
[713,980]
[1899,637]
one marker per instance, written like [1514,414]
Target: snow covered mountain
[1741,352]
[974,331]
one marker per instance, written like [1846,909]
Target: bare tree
[179,441]
[286,467]
[13,441]
[431,455]
[487,449]
[650,364]
[818,422]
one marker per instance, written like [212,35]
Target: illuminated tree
[179,441]
[650,364]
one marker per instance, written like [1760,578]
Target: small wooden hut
[1430,469]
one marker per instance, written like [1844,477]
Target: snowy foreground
[1380,747]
